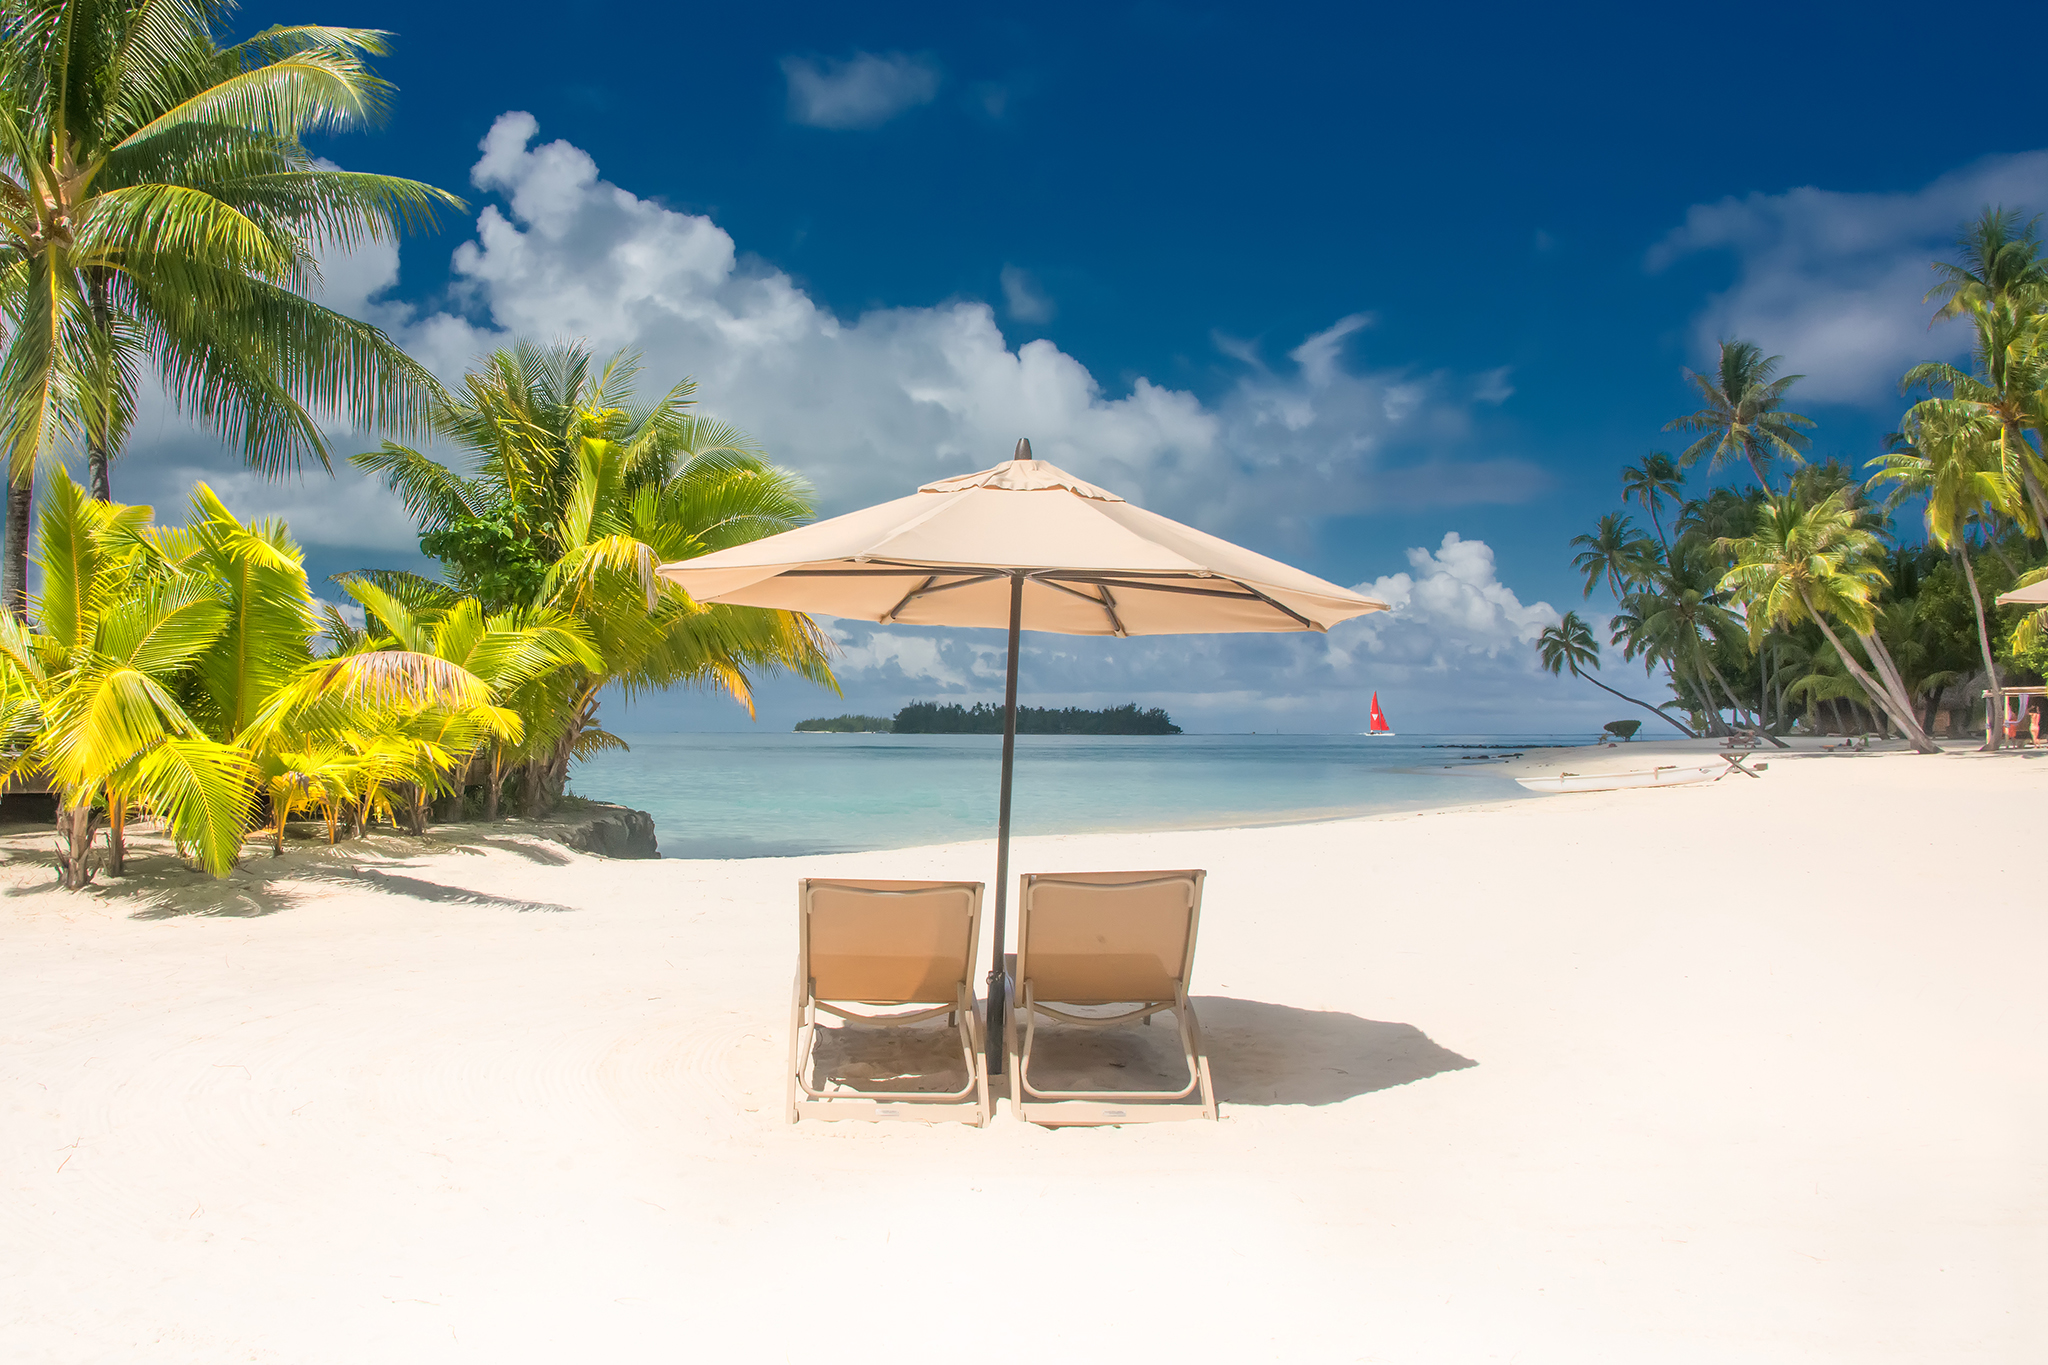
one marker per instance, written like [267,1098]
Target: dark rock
[610,831]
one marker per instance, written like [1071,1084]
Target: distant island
[930,718]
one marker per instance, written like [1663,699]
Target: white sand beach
[1746,1071]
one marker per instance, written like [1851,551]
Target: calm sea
[775,795]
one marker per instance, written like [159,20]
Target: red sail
[1379,718]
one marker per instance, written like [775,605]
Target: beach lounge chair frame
[885,944]
[1075,948]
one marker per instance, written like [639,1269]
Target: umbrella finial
[1023,448]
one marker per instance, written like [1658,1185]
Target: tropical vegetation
[163,222]
[160,216]
[1796,595]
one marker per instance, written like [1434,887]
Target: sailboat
[1377,726]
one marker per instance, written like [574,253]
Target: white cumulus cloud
[865,90]
[1834,281]
[870,406]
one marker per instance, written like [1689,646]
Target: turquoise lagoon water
[779,795]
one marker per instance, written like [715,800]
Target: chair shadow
[914,1059]
[1260,1053]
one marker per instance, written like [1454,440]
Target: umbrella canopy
[1092,564]
[2034,595]
[1029,546]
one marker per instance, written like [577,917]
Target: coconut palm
[154,644]
[1744,414]
[1651,483]
[1569,645]
[158,210]
[1677,616]
[105,672]
[2006,385]
[1818,563]
[1616,551]
[2000,265]
[1951,458]
[511,651]
[572,494]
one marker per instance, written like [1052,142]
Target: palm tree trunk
[497,780]
[1757,469]
[1993,733]
[1698,682]
[21,502]
[1896,704]
[75,829]
[117,835]
[1685,730]
[97,454]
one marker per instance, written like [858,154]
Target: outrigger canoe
[1668,776]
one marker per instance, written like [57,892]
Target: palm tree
[1952,459]
[511,651]
[1677,616]
[574,493]
[1743,415]
[1816,562]
[2001,265]
[158,209]
[1616,551]
[171,671]
[1650,483]
[1569,645]
[2006,386]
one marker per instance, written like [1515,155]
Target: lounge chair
[1092,939]
[881,945]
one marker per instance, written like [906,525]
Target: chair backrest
[1099,937]
[887,943]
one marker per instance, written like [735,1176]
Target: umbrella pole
[998,980]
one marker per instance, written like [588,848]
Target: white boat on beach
[1670,775]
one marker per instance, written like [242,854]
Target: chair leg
[1192,1032]
[977,1064]
[796,1029]
[1013,1057]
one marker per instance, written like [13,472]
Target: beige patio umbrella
[2033,595]
[1028,546]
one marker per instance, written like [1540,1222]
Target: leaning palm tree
[1817,562]
[159,211]
[1677,616]
[1950,458]
[1569,646]
[1651,483]
[1744,415]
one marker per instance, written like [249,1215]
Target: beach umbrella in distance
[2033,595]
[1026,546]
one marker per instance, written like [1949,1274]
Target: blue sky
[1338,282]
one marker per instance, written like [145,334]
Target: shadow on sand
[1260,1054]
[1263,1053]
[251,895]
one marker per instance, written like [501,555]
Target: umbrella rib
[890,614]
[1250,593]
[1106,602]
[925,589]
[1299,619]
